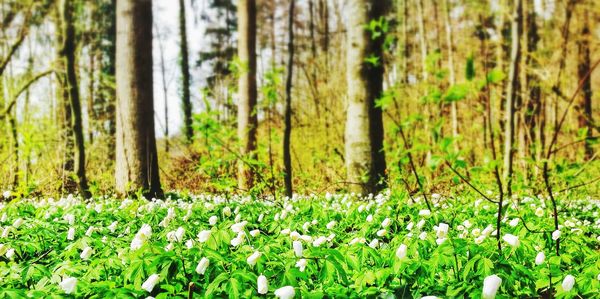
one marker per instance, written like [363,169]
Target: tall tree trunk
[185,74]
[165,87]
[15,147]
[452,75]
[583,69]
[287,158]
[136,158]
[422,39]
[64,114]
[533,112]
[91,93]
[247,118]
[365,158]
[511,93]
[68,55]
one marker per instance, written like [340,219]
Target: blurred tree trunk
[287,159]
[531,86]
[511,94]
[583,69]
[136,158]
[72,92]
[185,74]
[452,74]
[365,158]
[247,118]
[64,107]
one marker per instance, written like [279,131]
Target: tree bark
[287,159]
[185,74]
[136,158]
[452,75]
[247,119]
[511,93]
[365,158]
[583,69]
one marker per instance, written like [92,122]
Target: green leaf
[496,76]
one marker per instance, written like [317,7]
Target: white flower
[203,236]
[440,241]
[262,285]
[381,232]
[331,224]
[539,258]
[369,218]
[90,231]
[113,226]
[480,239]
[10,253]
[442,230]
[18,222]
[71,234]
[169,247]
[238,217]
[237,241]
[70,218]
[136,243]
[202,265]
[374,243]
[556,235]
[213,220]
[319,241]
[149,284]
[238,227]
[598,276]
[467,223]
[261,217]
[401,251]
[6,194]
[423,235]
[386,222]
[568,283]
[285,231]
[490,286]
[539,212]
[189,244]
[421,223]
[297,245]
[86,253]
[514,222]
[286,292]
[357,240]
[410,226]
[253,258]
[430,297]
[295,235]
[512,240]
[68,285]
[301,264]
[254,232]
[424,213]
[227,211]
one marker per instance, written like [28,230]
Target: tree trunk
[247,119]
[136,158]
[287,159]
[185,74]
[68,55]
[422,39]
[583,69]
[532,87]
[365,158]
[452,75]
[511,93]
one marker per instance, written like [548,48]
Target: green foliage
[346,262]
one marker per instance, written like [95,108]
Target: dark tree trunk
[185,74]
[287,159]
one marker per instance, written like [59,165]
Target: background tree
[136,159]
[365,157]
[247,93]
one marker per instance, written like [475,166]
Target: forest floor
[333,245]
